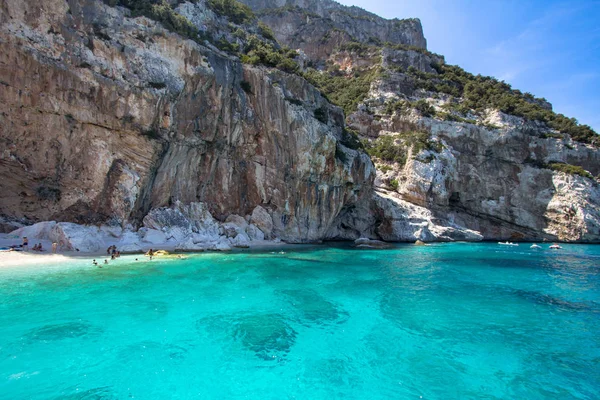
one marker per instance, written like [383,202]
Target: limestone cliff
[183,130]
[457,165]
[104,117]
[318,27]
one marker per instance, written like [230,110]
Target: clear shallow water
[438,322]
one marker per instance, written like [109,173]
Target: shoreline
[28,258]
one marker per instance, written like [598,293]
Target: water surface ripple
[446,321]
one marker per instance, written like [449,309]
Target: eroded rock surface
[113,121]
[104,118]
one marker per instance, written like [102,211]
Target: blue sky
[546,47]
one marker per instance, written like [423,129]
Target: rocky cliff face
[104,117]
[490,174]
[112,120]
[318,27]
[483,174]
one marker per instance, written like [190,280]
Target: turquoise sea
[446,321]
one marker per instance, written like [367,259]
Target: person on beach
[25,243]
[108,250]
[150,253]
[54,246]
[39,247]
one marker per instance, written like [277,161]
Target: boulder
[74,237]
[231,230]
[190,245]
[262,219]
[180,221]
[221,245]
[237,220]
[200,219]
[41,230]
[164,218]
[241,240]
[254,233]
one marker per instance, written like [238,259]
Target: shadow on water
[162,351]
[99,393]
[548,300]
[314,308]
[268,336]
[68,330]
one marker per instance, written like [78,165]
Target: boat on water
[508,243]
[535,246]
[555,247]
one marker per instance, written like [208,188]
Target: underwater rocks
[268,336]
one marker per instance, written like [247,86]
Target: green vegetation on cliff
[481,92]
[395,148]
[161,11]
[346,91]
[254,50]
[570,169]
[234,10]
[263,53]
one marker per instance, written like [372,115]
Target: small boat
[508,243]
[535,246]
[555,247]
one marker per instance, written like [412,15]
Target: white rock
[130,248]
[231,230]
[76,237]
[190,245]
[221,245]
[177,233]
[408,222]
[41,230]
[262,219]
[113,231]
[241,240]
[153,236]
[254,233]
[237,220]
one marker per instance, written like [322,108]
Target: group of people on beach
[36,247]
[113,252]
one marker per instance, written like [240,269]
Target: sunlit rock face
[114,121]
[106,117]
[319,26]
